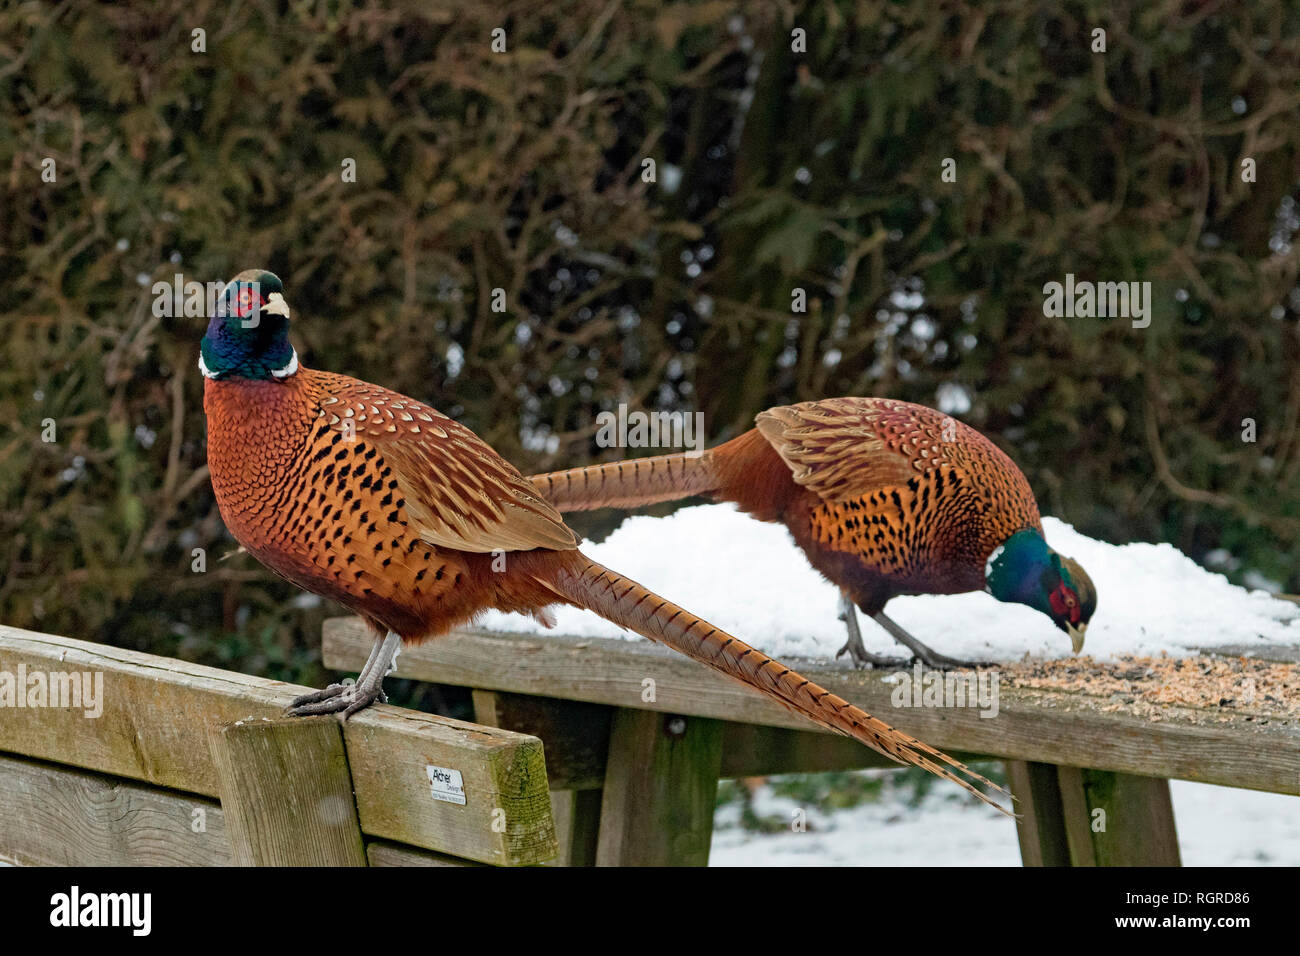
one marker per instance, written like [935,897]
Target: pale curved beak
[276,305]
[1076,635]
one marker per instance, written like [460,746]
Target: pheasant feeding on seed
[884,498]
[383,504]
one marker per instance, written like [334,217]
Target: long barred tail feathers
[628,484]
[611,595]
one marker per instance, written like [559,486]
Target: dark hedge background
[521,170]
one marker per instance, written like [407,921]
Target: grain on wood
[577,825]
[51,815]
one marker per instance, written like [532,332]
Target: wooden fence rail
[171,762]
[631,786]
[164,762]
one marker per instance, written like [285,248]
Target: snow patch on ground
[1217,826]
[748,578]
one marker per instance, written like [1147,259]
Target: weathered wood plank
[383,853]
[51,815]
[575,735]
[153,727]
[287,793]
[756,750]
[661,784]
[1055,727]
[1118,819]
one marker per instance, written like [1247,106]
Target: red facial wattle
[1065,604]
[245,302]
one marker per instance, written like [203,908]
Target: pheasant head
[248,336]
[1025,570]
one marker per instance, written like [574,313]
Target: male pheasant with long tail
[883,497]
[394,510]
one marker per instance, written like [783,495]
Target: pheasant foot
[860,656]
[921,652]
[350,698]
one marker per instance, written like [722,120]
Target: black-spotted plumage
[884,497]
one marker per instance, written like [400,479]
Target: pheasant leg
[860,656]
[333,690]
[350,698]
[924,654]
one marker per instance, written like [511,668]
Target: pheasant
[406,517]
[883,497]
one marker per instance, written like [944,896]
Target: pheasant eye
[1069,604]
[246,300]
[1064,603]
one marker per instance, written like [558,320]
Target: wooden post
[1118,819]
[286,793]
[575,740]
[1041,823]
[577,825]
[1075,817]
[661,783]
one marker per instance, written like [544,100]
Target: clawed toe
[920,652]
[862,658]
[858,654]
[853,658]
[346,699]
[333,690]
[943,662]
[361,702]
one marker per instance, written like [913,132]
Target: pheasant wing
[459,493]
[842,448]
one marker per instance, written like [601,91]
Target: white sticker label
[446,785]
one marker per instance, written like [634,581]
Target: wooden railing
[637,736]
[174,763]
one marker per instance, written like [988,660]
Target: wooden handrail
[1067,728]
[156,714]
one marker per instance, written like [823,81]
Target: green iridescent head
[248,337]
[1023,569]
